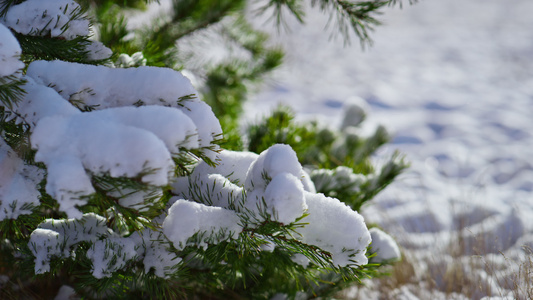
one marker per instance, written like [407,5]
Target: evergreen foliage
[338,160]
[223,82]
[10,90]
[133,233]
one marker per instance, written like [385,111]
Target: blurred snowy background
[452,80]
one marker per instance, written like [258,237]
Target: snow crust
[9,53]
[59,18]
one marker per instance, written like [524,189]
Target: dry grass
[466,268]
[452,278]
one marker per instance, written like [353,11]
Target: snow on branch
[384,246]
[98,87]
[187,218]
[58,238]
[9,53]
[336,228]
[99,143]
[119,139]
[18,191]
[273,182]
[57,18]
[156,253]
[276,189]
[277,179]
[10,70]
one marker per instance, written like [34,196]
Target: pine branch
[295,7]
[109,191]
[47,48]
[349,15]
[356,16]
[11,90]
[6,4]
[191,16]
[136,4]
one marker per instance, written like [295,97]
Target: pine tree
[116,180]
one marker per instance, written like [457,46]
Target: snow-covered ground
[453,81]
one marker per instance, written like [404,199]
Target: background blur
[452,80]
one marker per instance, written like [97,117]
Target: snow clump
[9,53]
[130,149]
[156,254]
[275,187]
[275,179]
[273,184]
[56,237]
[99,87]
[57,18]
[186,218]
[108,252]
[336,228]
[384,245]
[118,139]
[111,254]
[18,184]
